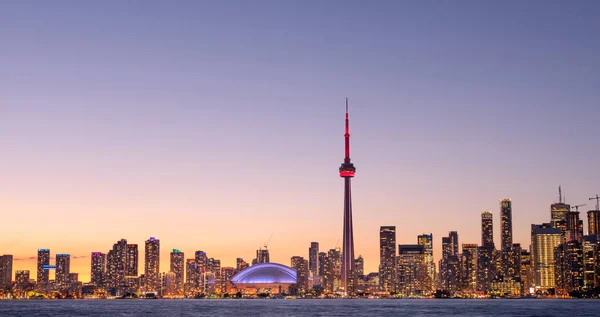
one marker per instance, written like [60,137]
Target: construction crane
[597,198]
[266,244]
[577,207]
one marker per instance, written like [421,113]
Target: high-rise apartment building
[387,258]
[487,229]
[177,267]
[132,262]
[469,267]
[301,266]
[98,269]
[6,268]
[152,265]
[43,276]
[63,269]
[116,264]
[313,259]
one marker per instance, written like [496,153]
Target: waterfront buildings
[152,265]
[544,238]
[387,258]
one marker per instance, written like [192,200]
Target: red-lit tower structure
[347,171]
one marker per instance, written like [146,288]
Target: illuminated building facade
[43,276]
[594,223]
[359,264]
[487,229]
[426,240]
[574,228]
[177,267]
[506,224]
[63,269]
[201,266]
[411,270]
[227,274]
[98,269]
[469,267]
[544,238]
[387,256]
[590,247]
[526,271]
[132,262]
[486,268]
[152,265]
[6,268]
[568,268]
[301,265]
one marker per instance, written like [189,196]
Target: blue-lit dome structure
[265,273]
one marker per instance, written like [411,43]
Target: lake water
[340,307]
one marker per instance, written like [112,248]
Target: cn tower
[347,172]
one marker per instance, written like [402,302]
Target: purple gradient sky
[212,124]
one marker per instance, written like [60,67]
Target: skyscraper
[544,238]
[116,264]
[347,171]
[453,235]
[240,265]
[469,267]
[201,266]
[387,258]
[6,267]
[191,272]
[152,265]
[411,269]
[426,240]
[301,266]
[506,224]
[63,269]
[98,268]
[487,229]
[43,259]
[177,260]
[132,260]
[313,259]
[558,211]
[574,228]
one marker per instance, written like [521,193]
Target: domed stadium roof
[266,273]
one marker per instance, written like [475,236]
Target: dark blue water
[357,307]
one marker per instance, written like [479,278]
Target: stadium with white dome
[269,278]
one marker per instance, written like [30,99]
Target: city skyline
[147,140]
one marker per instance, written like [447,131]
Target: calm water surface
[357,307]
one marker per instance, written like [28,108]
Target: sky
[211,125]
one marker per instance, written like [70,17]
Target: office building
[387,256]
[544,238]
[43,276]
[6,268]
[63,269]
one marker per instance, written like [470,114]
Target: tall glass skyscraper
[152,265]
[387,258]
[43,259]
[506,224]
